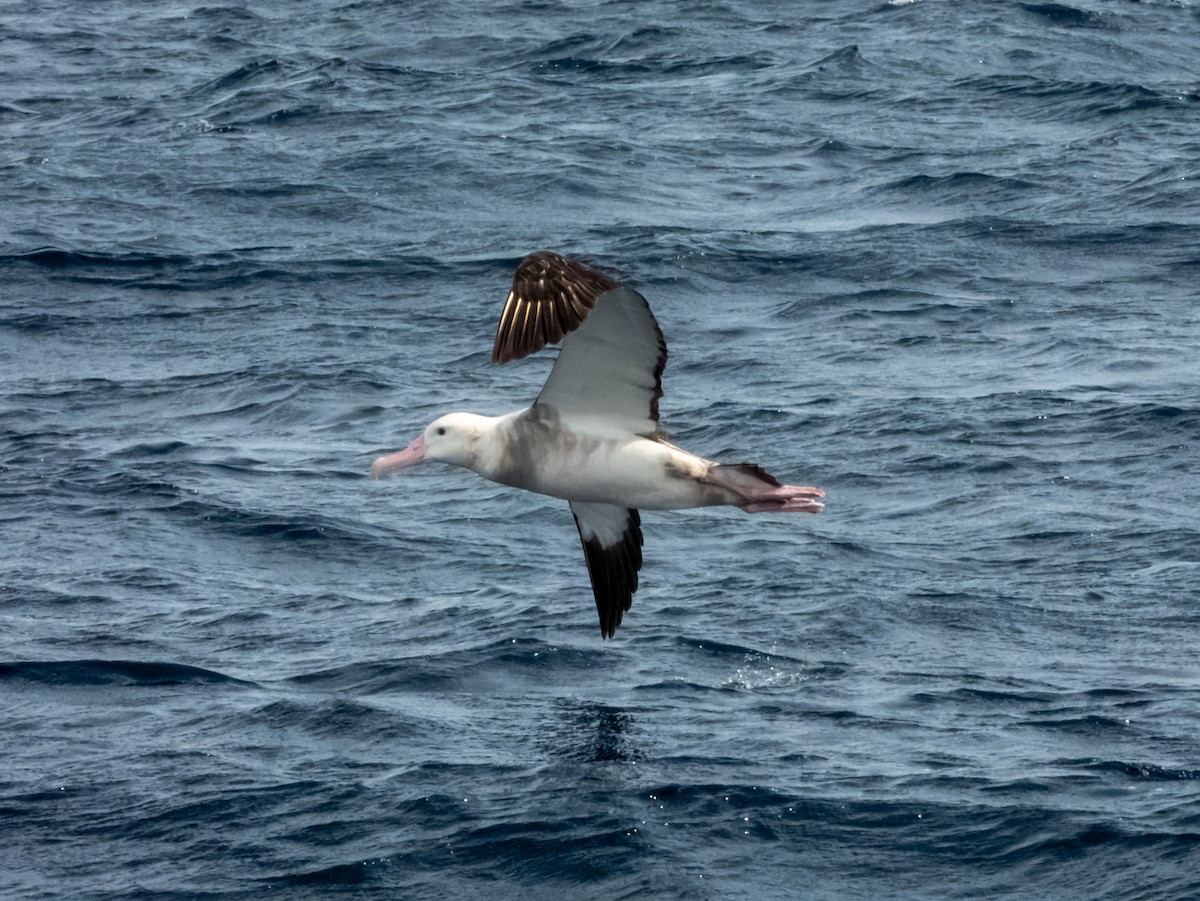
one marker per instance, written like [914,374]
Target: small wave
[239,77]
[722,649]
[518,659]
[112,672]
[1097,834]
[1142,772]
[961,186]
[58,258]
[976,696]
[339,874]
[1139,420]
[334,717]
[844,59]
[1069,16]
[43,323]
[610,59]
[1086,724]
[143,449]
[1069,100]
[301,527]
[863,305]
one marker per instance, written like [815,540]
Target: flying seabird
[592,437]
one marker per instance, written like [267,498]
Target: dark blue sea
[940,259]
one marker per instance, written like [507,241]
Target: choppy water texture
[938,258]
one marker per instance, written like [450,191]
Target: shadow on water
[587,732]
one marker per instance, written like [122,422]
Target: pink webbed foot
[787,499]
[755,490]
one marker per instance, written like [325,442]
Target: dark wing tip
[550,297]
[614,572]
[661,365]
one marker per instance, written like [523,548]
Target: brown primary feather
[551,296]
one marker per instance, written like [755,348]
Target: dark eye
[441,430]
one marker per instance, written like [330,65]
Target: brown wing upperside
[551,296]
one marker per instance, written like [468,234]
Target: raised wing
[609,370]
[550,297]
[612,546]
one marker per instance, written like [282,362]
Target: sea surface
[941,259]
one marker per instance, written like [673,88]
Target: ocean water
[941,259]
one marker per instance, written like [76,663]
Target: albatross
[592,437]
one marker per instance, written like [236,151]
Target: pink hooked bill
[385,466]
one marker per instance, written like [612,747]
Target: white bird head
[453,438]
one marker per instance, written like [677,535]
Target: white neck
[491,450]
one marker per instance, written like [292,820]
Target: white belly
[580,466]
[639,474]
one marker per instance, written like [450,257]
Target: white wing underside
[607,376]
[605,523]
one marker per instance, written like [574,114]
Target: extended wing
[612,546]
[613,353]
